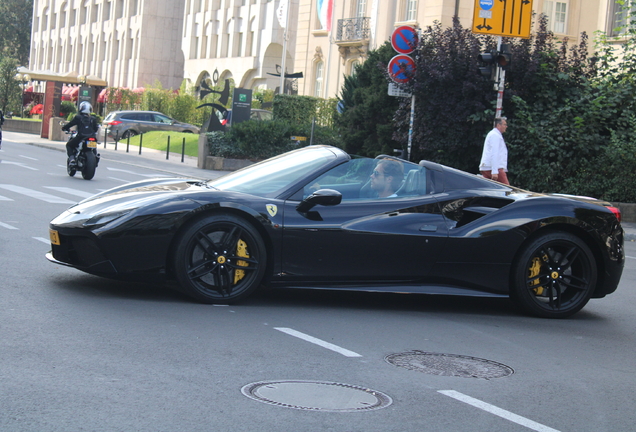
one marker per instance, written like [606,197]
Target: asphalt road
[82,353]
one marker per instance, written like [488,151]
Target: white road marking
[2,198]
[7,226]
[70,191]
[313,340]
[27,157]
[135,173]
[43,240]
[497,411]
[36,194]
[20,165]
[626,256]
[118,179]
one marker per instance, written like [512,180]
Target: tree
[15,29]
[366,122]
[10,92]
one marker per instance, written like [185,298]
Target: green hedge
[257,140]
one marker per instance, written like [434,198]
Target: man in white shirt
[494,159]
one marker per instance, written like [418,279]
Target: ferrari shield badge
[272,209]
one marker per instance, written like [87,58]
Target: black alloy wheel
[554,276]
[128,134]
[220,259]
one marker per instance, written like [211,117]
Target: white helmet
[85,108]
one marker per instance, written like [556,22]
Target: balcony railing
[353,29]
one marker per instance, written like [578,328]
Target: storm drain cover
[316,395]
[449,365]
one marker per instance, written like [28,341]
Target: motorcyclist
[87,126]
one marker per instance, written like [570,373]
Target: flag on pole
[281,13]
[325,12]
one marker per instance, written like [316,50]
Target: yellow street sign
[508,18]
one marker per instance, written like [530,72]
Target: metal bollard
[183,149]
[141,140]
[128,144]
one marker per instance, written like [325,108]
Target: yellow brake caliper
[241,250]
[533,271]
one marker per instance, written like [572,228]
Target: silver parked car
[122,124]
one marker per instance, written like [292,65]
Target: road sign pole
[408,153]
[501,76]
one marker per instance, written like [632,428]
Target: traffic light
[504,57]
[489,59]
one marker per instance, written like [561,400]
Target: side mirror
[325,197]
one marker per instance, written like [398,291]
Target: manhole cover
[316,396]
[449,365]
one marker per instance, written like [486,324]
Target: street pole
[408,153]
[502,80]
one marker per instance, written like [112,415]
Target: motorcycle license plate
[55,237]
[91,144]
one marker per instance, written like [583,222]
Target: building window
[619,15]
[557,15]
[361,8]
[319,78]
[410,10]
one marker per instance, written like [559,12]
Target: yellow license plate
[55,237]
[91,144]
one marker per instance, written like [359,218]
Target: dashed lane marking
[497,411]
[313,340]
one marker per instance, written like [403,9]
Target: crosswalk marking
[43,240]
[36,194]
[7,226]
[70,191]
[20,164]
[2,198]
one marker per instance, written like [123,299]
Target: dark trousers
[72,144]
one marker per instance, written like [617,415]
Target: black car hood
[151,186]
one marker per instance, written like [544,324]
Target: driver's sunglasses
[377,173]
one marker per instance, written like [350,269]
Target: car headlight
[104,218]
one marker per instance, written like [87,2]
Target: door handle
[428,228]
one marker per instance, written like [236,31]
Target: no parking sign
[404,39]
[401,68]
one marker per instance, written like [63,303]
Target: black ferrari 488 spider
[313,218]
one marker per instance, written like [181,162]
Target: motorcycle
[86,157]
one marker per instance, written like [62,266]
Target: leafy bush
[257,140]
[66,108]
[295,109]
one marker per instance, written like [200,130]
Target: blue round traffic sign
[401,68]
[486,4]
[404,39]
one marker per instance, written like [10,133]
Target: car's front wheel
[220,259]
[554,276]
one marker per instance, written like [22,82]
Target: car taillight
[113,123]
[617,212]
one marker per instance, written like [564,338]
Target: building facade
[326,51]
[137,43]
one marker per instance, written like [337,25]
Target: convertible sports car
[312,218]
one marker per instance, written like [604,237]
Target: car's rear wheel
[554,276]
[220,259]
[129,134]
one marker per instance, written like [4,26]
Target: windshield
[273,176]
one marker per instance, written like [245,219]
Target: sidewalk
[149,158]
[155,159]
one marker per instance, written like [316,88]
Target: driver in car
[387,177]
